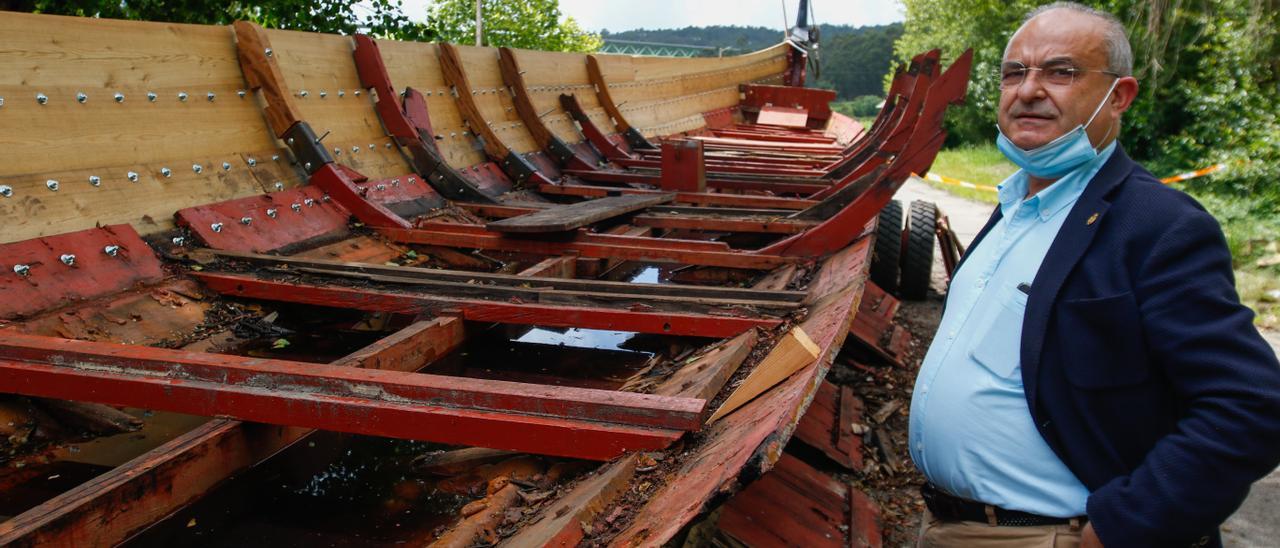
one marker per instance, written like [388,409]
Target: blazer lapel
[1073,239]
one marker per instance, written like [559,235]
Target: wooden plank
[665,323]
[792,351]
[706,374]
[783,116]
[108,509]
[571,217]
[750,440]
[556,282]
[560,523]
[47,272]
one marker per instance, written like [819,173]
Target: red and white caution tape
[1167,180]
[1193,174]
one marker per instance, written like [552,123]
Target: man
[1095,379]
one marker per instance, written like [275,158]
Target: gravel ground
[1256,524]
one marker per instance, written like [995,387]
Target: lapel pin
[1092,218]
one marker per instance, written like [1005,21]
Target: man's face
[1037,112]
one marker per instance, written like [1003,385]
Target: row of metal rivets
[270,212]
[68,259]
[570,87]
[83,98]
[303,94]
[54,185]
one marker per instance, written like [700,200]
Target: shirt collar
[1062,193]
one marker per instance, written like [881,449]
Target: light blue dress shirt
[971,430]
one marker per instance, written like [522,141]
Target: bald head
[1109,30]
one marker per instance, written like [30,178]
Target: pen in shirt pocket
[1025,288]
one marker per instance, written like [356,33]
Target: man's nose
[1030,89]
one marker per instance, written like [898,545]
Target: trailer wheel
[917,262]
[887,255]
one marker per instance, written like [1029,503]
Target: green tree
[1209,73]
[529,24]
[855,63]
[383,18]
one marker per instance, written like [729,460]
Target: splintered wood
[792,351]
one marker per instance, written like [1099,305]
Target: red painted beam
[116,505]
[42,273]
[552,420]
[668,323]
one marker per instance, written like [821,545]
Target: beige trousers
[935,533]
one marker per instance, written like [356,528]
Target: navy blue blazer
[1142,370]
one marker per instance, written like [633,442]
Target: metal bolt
[182,96]
[1,101]
[303,93]
[380,187]
[275,157]
[119,97]
[95,180]
[241,93]
[132,176]
[342,93]
[6,191]
[268,52]
[309,202]
[111,250]
[337,151]
[80,97]
[325,198]
[355,149]
[271,213]
[357,92]
[279,185]
[297,208]
[412,180]
[289,141]
[226,166]
[151,96]
[22,270]
[197,168]
[388,145]
[252,162]
[217,227]
[323,94]
[178,240]
[395,182]
[371,146]
[165,171]
[52,184]
[68,259]
[42,98]
[211,96]
[307,166]
[246,220]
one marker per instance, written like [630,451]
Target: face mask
[1059,156]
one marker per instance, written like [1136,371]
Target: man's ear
[1126,91]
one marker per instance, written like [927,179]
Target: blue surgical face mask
[1059,156]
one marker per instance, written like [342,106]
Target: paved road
[1257,523]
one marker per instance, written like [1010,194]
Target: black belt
[947,507]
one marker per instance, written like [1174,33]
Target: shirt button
[981,284]
[919,446]
[951,335]
[924,389]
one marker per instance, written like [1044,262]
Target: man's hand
[1088,538]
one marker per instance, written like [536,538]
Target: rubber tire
[917,260]
[886,258]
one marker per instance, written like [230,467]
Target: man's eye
[1013,73]
[1060,72]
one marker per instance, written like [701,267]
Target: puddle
[328,490]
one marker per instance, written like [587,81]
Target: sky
[620,15]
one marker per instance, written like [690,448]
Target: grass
[980,165]
[1252,235]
